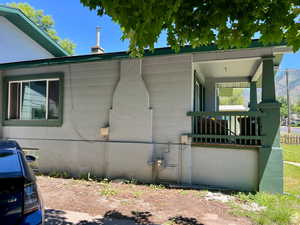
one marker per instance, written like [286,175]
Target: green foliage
[157,187]
[283,107]
[108,192]
[228,23]
[237,98]
[106,189]
[279,209]
[59,174]
[292,179]
[46,23]
[291,153]
[296,108]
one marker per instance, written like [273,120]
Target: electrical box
[184,139]
[104,131]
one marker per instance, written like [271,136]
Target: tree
[237,98]
[296,108]
[46,23]
[283,107]
[228,23]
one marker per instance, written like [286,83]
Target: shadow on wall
[113,217]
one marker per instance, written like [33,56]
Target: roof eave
[20,20]
[121,55]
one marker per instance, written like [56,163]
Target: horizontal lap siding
[88,97]
[169,81]
[88,90]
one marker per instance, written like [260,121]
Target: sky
[78,23]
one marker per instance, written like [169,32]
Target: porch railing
[240,128]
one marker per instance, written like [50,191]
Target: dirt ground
[142,204]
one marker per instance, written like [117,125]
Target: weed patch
[157,187]
[278,209]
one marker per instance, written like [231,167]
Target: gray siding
[169,80]
[88,96]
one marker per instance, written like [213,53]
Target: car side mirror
[30,158]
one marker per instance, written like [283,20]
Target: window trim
[33,123]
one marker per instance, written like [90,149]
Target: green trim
[253,96]
[229,146]
[119,55]
[33,123]
[227,113]
[18,18]
[271,170]
[226,137]
[270,154]
[34,76]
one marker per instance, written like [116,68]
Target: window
[36,100]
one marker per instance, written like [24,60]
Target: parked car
[20,199]
[295,123]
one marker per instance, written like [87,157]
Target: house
[21,39]
[154,119]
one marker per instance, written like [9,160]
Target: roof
[18,18]
[119,55]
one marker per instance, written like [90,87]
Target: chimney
[97,49]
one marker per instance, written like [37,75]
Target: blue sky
[78,23]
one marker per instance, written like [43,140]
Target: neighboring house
[21,39]
[154,119]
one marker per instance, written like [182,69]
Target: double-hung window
[34,100]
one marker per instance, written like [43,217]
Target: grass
[291,153]
[279,209]
[292,179]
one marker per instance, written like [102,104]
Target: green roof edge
[120,55]
[20,20]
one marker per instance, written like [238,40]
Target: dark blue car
[20,201]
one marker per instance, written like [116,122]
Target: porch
[212,125]
[248,137]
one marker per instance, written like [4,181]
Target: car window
[9,163]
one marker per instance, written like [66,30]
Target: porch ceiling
[234,68]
